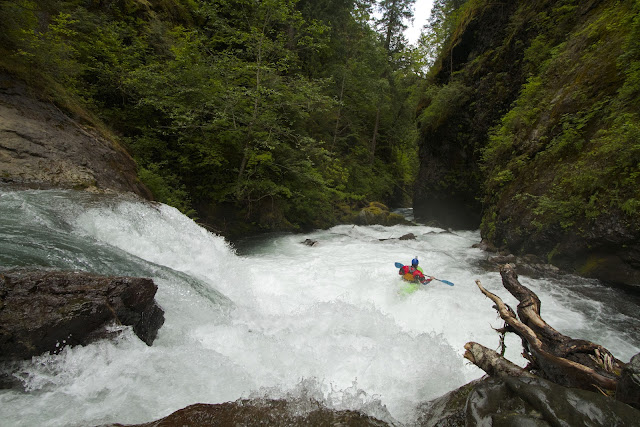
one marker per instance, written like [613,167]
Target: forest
[246,115]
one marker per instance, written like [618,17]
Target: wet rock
[528,265]
[446,410]
[524,402]
[628,390]
[538,270]
[486,246]
[503,259]
[408,236]
[310,242]
[44,311]
[265,413]
[533,401]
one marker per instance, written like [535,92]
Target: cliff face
[530,129]
[457,113]
[41,147]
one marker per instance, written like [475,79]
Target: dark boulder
[408,236]
[43,311]
[310,242]
[628,390]
[534,401]
[514,401]
[264,412]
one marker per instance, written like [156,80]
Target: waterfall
[272,317]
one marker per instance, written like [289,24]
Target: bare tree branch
[552,355]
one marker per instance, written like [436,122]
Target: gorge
[245,326]
[199,144]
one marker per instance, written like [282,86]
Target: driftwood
[493,363]
[551,355]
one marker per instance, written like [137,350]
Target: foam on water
[274,318]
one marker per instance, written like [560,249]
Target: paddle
[446,282]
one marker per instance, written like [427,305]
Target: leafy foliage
[279,112]
[568,148]
[441,103]
[441,26]
[545,106]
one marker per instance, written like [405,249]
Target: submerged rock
[408,236]
[43,311]
[310,242]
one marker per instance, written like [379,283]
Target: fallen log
[493,363]
[551,355]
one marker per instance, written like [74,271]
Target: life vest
[411,274]
[408,277]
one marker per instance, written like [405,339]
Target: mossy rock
[378,213]
[375,213]
[378,205]
[395,219]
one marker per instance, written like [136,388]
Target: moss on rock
[554,154]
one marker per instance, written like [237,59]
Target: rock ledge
[43,311]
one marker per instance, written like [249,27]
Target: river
[272,317]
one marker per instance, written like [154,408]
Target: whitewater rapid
[272,317]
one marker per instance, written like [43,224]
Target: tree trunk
[337,127]
[375,136]
[256,104]
[551,355]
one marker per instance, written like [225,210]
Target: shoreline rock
[41,147]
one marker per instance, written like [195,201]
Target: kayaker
[414,273]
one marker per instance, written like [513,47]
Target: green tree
[441,24]
[264,109]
